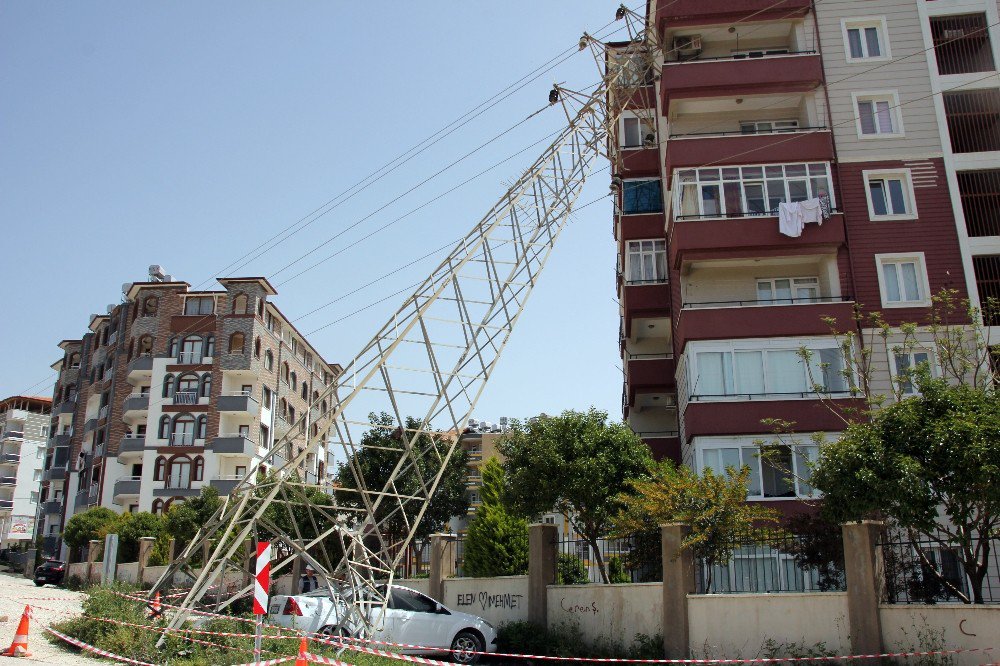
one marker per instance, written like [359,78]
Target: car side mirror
[438,608]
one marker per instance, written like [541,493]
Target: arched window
[187,389]
[179,472]
[157,506]
[315,396]
[172,348]
[202,427]
[206,385]
[70,391]
[146,345]
[285,372]
[294,382]
[164,431]
[322,409]
[305,391]
[150,306]
[183,430]
[291,414]
[74,360]
[260,307]
[268,360]
[256,348]
[210,345]
[282,408]
[199,468]
[158,468]
[170,502]
[240,304]
[191,350]
[315,430]
[168,386]
[236,341]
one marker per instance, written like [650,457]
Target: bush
[570,570]
[566,640]
[616,571]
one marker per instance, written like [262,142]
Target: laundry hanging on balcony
[793,217]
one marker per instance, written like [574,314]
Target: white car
[410,617]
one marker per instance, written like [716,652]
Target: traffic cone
[19,648]
[303,648]
[155,609]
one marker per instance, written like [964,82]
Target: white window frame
[742,442]
[924,283]
[632,115]
[903,175]
[862,22]
[896,374]
[801,279]
[890,96]
[679,185]
[628,260]
[792,125]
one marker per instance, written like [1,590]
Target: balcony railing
[766,302]
[980,193]
[102,413]
[182,439]
[738,214]
[13,434]
[648,357]
[962,44]
[186,398]
[973,118]
[707,397]
[741,56]
[6,504]
[8,480]
[189,358]
[786,130]
[10,459]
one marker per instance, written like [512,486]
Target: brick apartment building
[175,389]
[887,112]
[24,431]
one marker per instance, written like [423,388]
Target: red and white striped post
[261,585]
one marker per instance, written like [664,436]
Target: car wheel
[334,632]
[467,646]
[40,583]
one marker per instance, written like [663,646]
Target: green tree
[184,519]
[496,543]
[94,523]
[576,464]
[133,526]
[570,570]
[377,457]
[714,505]
[931,463]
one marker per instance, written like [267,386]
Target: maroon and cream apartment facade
[175,389]
[761,102]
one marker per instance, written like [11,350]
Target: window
[748,190]
[201,429]
[294,381]
[865,39]
[305,390]
[236,341]
[962,44]
[788,290]
[164,430]
[636,132]
[780,472]
[768,126]
[199,468]
[241,471]
[179,475]
[646,261]
[902,280]
[266,395]
[183,431]
[199,305]
[145,345]
[158,468]
[729,370]
[256,348]
[150,306]
[240,304]
[191,350]
[209,346]
[890,195]
[878,115]
[285,372]
[413,602]
[265,436]
[641,196]
[908,365]
[635,69]
[268,360]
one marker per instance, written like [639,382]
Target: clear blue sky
[186,133]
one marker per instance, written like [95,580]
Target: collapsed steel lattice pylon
[431,360]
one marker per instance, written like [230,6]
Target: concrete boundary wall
[608,613]
[737,625]
[955,625]
[497,600]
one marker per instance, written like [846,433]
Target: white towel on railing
[812,211]
[790,221]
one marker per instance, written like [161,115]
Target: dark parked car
[50,571]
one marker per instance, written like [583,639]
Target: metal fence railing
[775,561]
[632,559]
[928,569]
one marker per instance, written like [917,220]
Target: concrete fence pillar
[543,540]
[145,552]
[865,572]
[29,563]
[678,583]
[443,552]
[206,552]
[92,549]
[172,550]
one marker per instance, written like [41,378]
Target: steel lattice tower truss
[431,360]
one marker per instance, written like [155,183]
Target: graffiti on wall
[584,608]
[486,600]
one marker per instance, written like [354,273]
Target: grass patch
[139,642]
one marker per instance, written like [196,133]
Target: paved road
[48,604]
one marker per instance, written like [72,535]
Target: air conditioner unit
[688,45]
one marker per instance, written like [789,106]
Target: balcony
[962,44]
[57,473]
[130,446]
[233,444]
[744,414]
[973,118]
[60,440]
[8,481]
[13,434]
[182,439]
[140,367]
[735,237]
[812,144]
[6,504]
[192,358]
[169,491]
[67,406]
[128,486]
[980,193]
[10,458]
[665,444]
[52,508]
[650,373]
[136,405]
[225,484]
[761,319]
[185,398]
[732,77]
[90,425]
[239,401]
[681,13]
[644,300]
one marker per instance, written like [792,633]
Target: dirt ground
[48,604]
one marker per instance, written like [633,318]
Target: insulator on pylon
[584,41]
[620,13]
[553,95]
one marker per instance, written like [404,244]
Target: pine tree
[497,541]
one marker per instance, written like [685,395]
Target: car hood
[466,617]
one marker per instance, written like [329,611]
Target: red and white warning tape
[319,659]
[97,651]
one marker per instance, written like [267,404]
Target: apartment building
[24,431]
[802,161]
[174,389]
